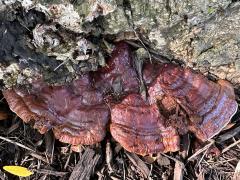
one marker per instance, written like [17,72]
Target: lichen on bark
[202,34]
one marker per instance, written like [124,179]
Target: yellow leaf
[18,171]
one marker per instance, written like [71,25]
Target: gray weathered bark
[60,39]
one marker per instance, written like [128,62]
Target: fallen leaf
[18,171]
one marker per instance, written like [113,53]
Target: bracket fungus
[119,75]
[151,72]
[77,112]
[210,105]
[139,127]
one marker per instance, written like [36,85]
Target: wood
[85,167]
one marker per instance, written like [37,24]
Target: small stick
[109,156]
[64,62]
[33,153]
[230,146]
[50,172]
[201,150]
[68,159]
[231,133]
[172,158]
[202,158]
[16,143]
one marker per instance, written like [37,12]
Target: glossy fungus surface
[119,76]
[210,105]
[179,99]
[140,128]
[150,72]
[76,112]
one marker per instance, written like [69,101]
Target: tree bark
[58,40]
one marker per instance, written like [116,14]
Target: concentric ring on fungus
[118,76]
[77,112]
[139,127]
[213,103]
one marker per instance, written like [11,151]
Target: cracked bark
[202,34]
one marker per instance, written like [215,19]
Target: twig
[172,158]
[49,172]
[68,159]
[178,171]
[85,166]
[139,164]
[230,146]
[149,55]
[201,158]
[228,135]
[109,156]
[153,53]
[124,173]
[64,62]
[201,150]
[150,173]
[232,159]
[16,143]
[235,141]
[2,99]
[33,153]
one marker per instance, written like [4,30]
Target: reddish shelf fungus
[150,72]
[119,75]
[140,128]
[78,115]
[210,105]
[76,112]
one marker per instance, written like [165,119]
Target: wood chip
[202,150]
[230,146]
[162,160]
[49,143]
[85,167]
[178,171]
[139,164]
[109,156]
[49,172]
